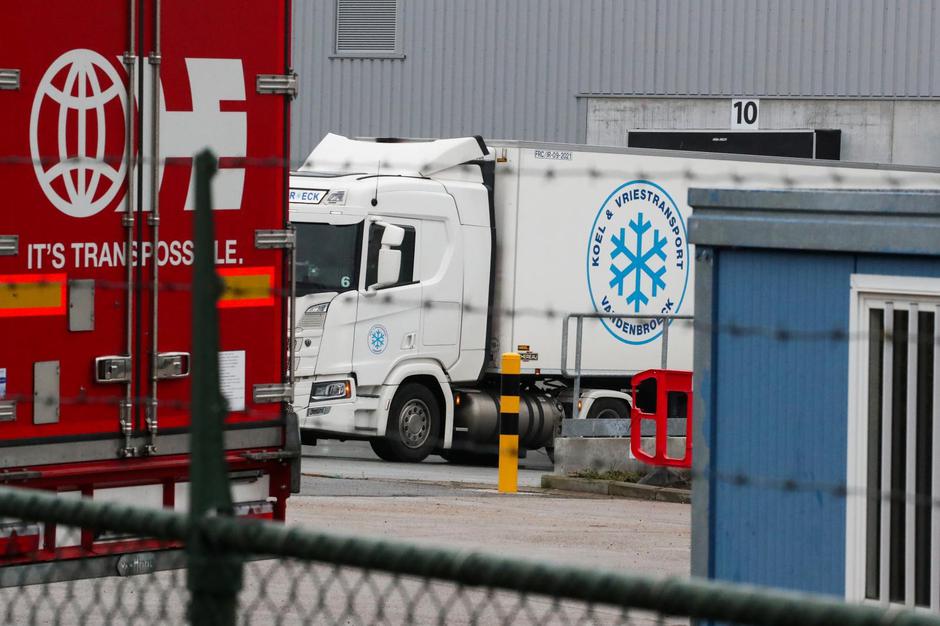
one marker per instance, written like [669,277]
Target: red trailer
[104,103]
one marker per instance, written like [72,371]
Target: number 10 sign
[744,113]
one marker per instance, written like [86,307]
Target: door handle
[172,365]
[408,341]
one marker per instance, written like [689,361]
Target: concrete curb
[616,488]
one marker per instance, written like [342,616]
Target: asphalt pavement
[366,474]
[347,489]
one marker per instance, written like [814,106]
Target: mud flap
[292,445]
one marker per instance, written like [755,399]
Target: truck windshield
[327,257]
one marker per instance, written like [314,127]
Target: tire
[308,438]
[466,457]
[383,450]
[414,425]
[609,408]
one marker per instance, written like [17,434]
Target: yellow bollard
[509,423]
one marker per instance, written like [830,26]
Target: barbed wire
[735,329]
[816,173]
[787,175]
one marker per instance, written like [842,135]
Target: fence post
[214,577]
[509,423]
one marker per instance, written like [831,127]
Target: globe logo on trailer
[637,260]
[78,98]
[378,339]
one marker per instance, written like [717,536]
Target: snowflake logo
[378,339]
[639,262]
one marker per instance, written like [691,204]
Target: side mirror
[389,267]
[389,263]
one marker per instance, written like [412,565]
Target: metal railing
[579,338]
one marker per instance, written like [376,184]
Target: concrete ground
[346,489]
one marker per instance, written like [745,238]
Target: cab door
[388,319]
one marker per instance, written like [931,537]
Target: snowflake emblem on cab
[378,339]
[637,260]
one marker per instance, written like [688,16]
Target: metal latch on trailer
[9,79]
[113,369]
[7,411]
[276,392]
[9,245]
[282,84]
[273,239]
[172,365]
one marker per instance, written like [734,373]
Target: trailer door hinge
[9,79]
[270,239]
[276,392]
[282,84]
[9,245]
[7,411]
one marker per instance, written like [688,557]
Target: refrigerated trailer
[104,106]
[419,262]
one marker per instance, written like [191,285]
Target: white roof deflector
[412,158]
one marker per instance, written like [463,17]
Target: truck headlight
[332,390]
[315,316]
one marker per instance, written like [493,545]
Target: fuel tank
[478,412]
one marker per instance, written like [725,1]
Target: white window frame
[397,53]
[867,289]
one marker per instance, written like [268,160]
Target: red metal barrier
[659,395]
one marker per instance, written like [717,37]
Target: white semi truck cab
[394,280]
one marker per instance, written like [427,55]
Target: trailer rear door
[94,273]
[212,99]
[64,298]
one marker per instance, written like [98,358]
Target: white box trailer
[419,262]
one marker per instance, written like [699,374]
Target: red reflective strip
[58,309]
[233,301]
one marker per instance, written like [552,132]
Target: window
[407,247]
[367,28]
[327,257]
[893,534]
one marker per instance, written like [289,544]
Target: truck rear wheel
[414,425]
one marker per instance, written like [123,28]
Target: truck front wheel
[609,408]
[414,425]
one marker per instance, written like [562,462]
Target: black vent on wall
[366,27]
[807,144]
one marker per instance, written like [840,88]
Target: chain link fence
[255,572]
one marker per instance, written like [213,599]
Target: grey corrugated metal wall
[517,68]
